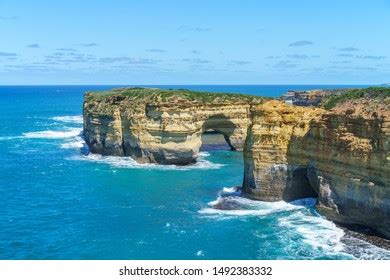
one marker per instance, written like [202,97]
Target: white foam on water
[245,207]
[9,137]
[230,190]
[200,253]
[204,154]
[74,143]
[315,231]
[128,162]
[69,119]
[54,134]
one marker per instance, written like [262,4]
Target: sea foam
[128,162]
[54,134]
[69,119]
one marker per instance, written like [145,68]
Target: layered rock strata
[273,167]
[348,150]
[163,127]
[341,156]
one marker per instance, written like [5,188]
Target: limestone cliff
[273,167]
[349,153]
[341,156]
[163,126]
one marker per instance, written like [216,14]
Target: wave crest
[54,134]
[69,119]
[128,162]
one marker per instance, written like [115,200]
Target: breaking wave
[75,143]
[69,119]
[239,206]
[54,134]
[297,221]
[128,162]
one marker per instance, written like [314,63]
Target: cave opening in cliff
[217,133]
[214,140]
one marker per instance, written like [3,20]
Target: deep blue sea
[59,202]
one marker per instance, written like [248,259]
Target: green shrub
[368,93]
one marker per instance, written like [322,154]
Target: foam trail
[239,206]
[128,162]
[315,231]
[53,134]
[2,138]
[69,119]
[75,143]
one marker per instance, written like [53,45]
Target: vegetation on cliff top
[167,95]
[376,93]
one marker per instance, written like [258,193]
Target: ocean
[59,202]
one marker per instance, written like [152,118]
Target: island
[337,151]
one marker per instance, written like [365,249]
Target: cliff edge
[339,153]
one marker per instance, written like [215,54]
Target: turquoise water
[58,202]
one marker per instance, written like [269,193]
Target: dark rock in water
[367,235]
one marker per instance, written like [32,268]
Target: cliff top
[372,95]
[156,95]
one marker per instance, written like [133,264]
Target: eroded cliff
[163,126]
[341,156]
[348,149]
[274,168]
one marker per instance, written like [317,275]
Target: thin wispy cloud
[7,54]
[345,55]
[240,62]
[33,46]
[88,45]
[300,43]
[156,50]
[355,68]
[285,64]
[301,56]
[196,60]
[259,29]
[128,60]
[69,57]
[273,57]
[66,49]
[9,18]
[193,28]
[348,49]
[342,62]
[298,56]
[372,57]
[195,52]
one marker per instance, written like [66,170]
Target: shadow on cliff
[215,125]
[300,167]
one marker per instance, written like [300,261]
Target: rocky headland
[314,97]
[338,151]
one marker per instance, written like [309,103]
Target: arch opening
[218,131]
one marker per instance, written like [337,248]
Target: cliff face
[341,156]
[348,150]
[273,166]
[162,127]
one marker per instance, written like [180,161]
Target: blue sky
[194,42]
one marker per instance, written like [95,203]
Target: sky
[194,42]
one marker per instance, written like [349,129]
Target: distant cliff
[314,97]
[340,155]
